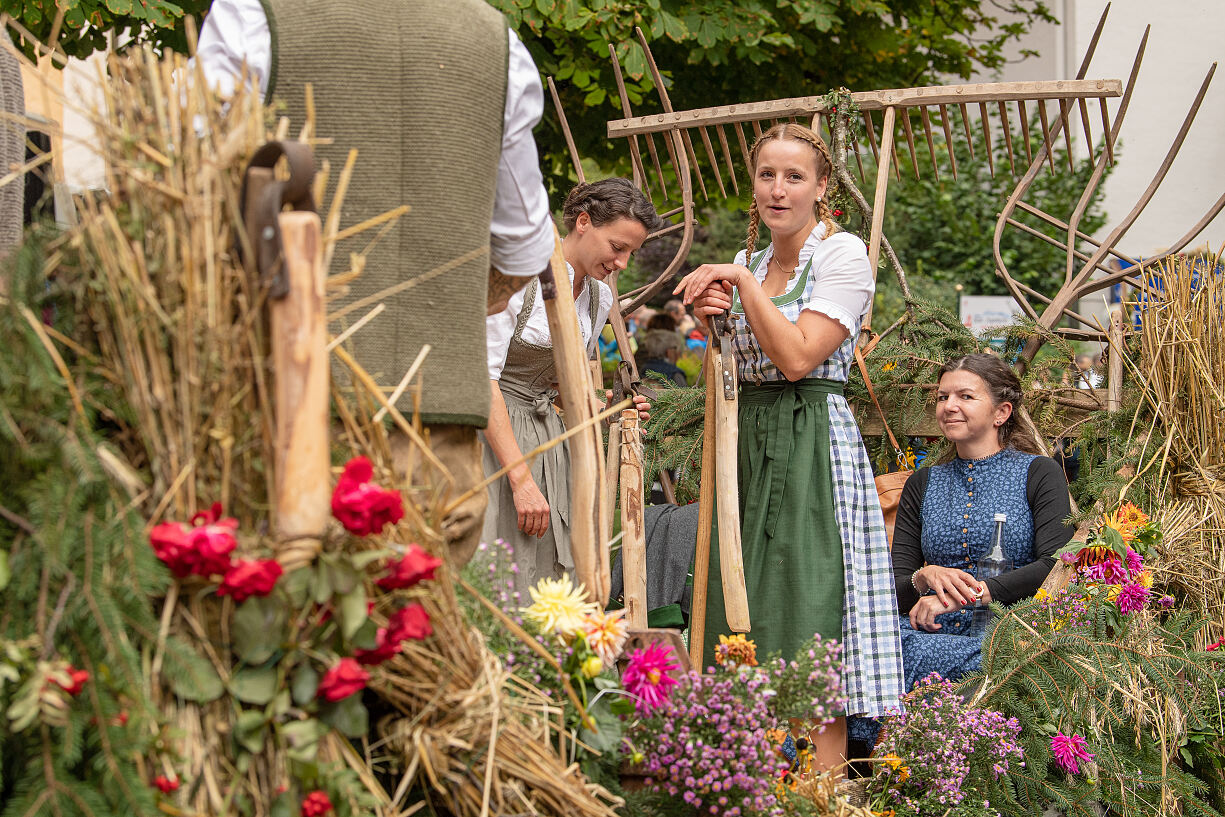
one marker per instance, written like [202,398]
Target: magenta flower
[1165,602]
[1111,571]
[1131,598]
[1068,558]
[1069,751]
[647,679]
[1135,563]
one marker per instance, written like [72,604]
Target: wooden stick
[931,144]
[1012,164]
[569,353]
[1029,151]
[914,159]
[727,435]
[1067,133]
[727,157]
[706,499]
[714,163]
[987,147]
[1106,129]
[1046,135]
[882,187]
[1114,377]
[965,124]
[300,362]
[640,175]
[867,119]
[565,129]
[633,530]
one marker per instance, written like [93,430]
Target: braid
[751,242]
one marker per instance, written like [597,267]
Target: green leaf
[305,684]
[119,6]
[5,572]
[302,739]
[352,611]
[250,730]
[673,27]
[348,716]
[366,557]
[296,585]
[595,96]
[284,806]
[192,676]
[366,637]
[608,735]
[636,62]
[254,685]
[259,628]
[1114,541]
[323,582]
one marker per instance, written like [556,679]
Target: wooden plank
[726,479]
[300,364]
[882,187]
[633,531]
[706,499]
[809,106]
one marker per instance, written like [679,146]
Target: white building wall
[1187,37]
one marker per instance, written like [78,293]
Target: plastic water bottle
[995,563]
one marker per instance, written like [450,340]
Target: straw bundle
[176,326]
[1183,364]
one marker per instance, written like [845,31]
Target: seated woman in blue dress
[946,518]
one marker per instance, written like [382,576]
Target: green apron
[789,532]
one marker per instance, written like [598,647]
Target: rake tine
[897,164]
[659,170]
[867,119]
[744,150]
[982,112]
[1046,135]
[727,157]
[692,156]
[914,159]
[757,129]
[635,151]
[1106,127]
[859,161]
[931,145]
[1084,121]
[565,129]
[1007,127]
[714,163]
[948,138]
[965,123]
[1063,225]
[1029,153]
[1067,133]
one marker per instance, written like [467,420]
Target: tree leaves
[259,628]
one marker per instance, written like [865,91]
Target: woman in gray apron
[529,510]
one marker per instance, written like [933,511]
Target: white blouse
[500,328]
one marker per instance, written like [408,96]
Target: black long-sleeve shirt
[1046,491]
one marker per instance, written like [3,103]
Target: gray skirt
[534,421]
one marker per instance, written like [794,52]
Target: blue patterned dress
[958,519]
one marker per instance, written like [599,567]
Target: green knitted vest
[418,87]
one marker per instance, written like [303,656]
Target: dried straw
[179,328]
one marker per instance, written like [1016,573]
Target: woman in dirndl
[816,559]
[606,221]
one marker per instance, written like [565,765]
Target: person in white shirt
[606,221]
[439,97]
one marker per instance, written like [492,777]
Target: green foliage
[87,23]
[718,52]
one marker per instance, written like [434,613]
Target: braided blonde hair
[825,164]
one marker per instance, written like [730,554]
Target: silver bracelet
[915,584]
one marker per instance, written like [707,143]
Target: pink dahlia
[1131,598]
[647,679]
[1069,751]
[1110,571]
[1135,562]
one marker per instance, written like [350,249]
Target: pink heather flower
[1110,571]
[1068,558]
[1131,598]
[1135,563]
[647,679]
[1069,751]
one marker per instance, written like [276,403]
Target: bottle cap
[1001,517]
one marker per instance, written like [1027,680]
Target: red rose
[171,545]
[416,565]
[213,544]
[250,577]
[837,212]
[1216,646]
[343,680]
[409,623]
[166,784]
[384,650]
[361,507]
[316,804]
[74,687]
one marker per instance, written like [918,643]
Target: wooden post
[878,201]
[589,549]
[633,532]
[706,498]
[1114,377]
[300,365]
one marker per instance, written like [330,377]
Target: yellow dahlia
[1127,520]
[558,606]
[1145,578]
[606,633]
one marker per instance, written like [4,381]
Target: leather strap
[867,381]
